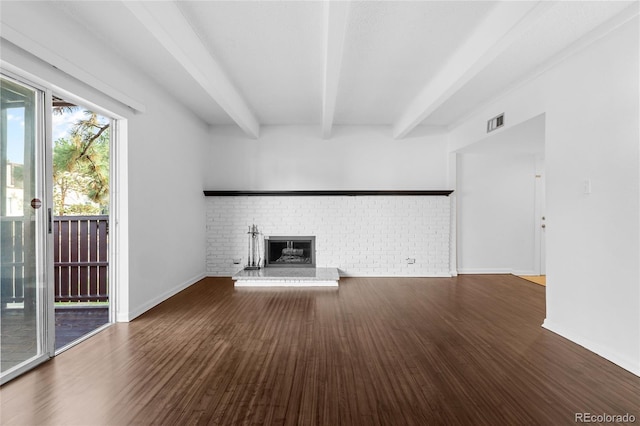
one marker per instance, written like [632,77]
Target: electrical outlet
[411,260]
[237,261]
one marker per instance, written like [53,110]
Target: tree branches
[81,167]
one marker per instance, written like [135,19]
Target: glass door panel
[23,219]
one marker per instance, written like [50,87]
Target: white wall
[297,158]
[165,148]
[359,239]
[593,240]
[359,235]
[496,208]
[166,204]
[498,205]
[592,132]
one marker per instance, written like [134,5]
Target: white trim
[47,196]
[45,320]
[539,208]
[134,313]
[401,275]
[530,272]
[22,41]
[483,271]
[453,218]
[628,364]
[496,271]
[119,218]
[22,368]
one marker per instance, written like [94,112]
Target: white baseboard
[499,271]
[606,353]
[484,271]
[122,317]
[525,273]
[435,275]
[134,313]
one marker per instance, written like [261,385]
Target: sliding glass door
[24,221]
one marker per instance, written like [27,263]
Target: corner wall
[592,133]
[164,212]
[593,238]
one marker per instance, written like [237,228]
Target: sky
[15,135]
[61,127]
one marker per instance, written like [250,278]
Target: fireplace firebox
[291,251]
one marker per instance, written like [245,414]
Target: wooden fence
[80,258]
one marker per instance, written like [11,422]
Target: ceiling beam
[506,22]
[165,21]
[335,29]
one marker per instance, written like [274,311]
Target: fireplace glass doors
[290,251]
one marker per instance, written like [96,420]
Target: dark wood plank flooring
[401,351]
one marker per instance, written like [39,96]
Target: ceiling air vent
[495,123]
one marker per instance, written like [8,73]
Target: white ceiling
[395,63]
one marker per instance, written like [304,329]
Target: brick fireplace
[362,235]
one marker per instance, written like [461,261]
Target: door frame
[540,219]
[118,206]
[113,200]
[44,245]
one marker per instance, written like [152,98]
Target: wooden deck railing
[80,258]
[12,255]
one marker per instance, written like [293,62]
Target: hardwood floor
[401,351]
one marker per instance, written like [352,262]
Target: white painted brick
[359,235]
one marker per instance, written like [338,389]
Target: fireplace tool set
[253,259]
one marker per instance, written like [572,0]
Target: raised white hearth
[287,277]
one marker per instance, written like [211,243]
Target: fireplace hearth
[290,251]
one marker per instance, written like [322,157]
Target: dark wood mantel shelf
[217,193]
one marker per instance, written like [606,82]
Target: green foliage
[81,168]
